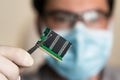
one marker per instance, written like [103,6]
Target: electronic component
[53,44]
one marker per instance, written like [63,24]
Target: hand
[11,60]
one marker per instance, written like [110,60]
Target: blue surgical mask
[88,55]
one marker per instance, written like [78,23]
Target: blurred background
[17,18]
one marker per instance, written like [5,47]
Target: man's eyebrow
[67,11]
[59,11]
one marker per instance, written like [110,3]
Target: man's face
[61,8]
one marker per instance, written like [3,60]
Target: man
[85,23]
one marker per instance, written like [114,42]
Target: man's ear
[111,19]
[39,20]
[37,24]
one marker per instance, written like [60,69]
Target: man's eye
[60,19]
[94,20]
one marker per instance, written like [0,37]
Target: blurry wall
[17,15]
[115,57]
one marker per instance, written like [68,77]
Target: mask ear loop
[110,26]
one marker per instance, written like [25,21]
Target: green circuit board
[53,44]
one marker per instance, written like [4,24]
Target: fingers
[2,77]
[11,59]
[18,56]
[8,69]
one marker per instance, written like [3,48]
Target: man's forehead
[77,5]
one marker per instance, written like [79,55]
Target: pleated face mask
[88,55]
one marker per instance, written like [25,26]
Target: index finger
[17,55]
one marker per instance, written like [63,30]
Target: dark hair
[40,4]
[111,4]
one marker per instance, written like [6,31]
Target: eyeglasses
[64,19]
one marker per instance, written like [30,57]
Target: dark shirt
[44,73]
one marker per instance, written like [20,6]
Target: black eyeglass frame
[74,16]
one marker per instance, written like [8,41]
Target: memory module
[53,44]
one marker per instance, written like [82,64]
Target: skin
[78,6]
[10,66]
